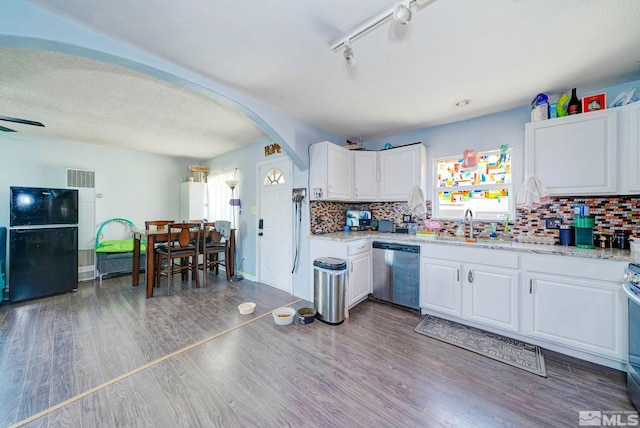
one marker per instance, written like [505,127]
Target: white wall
[134,185]
[246,160]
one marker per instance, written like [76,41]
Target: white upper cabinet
[574,155]
[365,168]
[330,172]
[630,138]
[401,169]
[339,174]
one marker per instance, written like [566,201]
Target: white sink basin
[478,242]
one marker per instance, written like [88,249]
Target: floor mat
[506,350]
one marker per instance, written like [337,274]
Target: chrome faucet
[468,215]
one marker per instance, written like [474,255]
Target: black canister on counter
[566,235]
[603,241]
[621,240]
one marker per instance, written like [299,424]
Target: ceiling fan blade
[2,128]
[23,121]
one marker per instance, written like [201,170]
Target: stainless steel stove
[632,288]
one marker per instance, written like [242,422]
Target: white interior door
[275,235]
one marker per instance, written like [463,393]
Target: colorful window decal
[492,168]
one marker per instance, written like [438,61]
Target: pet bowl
[284,315]
[247,308]
[306,315]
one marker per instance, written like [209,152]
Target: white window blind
[219,196]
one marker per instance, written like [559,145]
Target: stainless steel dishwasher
[396,274]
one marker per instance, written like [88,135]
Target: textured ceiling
[92,102]
[499,54]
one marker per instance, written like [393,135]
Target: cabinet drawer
[358,247]
[604,270]
[485,256]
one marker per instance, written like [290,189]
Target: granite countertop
[596,253]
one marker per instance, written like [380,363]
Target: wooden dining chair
[181,253]
[157,225]
[212,246]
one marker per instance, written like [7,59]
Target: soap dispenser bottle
[460,230]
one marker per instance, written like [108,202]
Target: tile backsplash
[619,213]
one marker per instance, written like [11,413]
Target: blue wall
[481,134]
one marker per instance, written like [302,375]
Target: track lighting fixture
[400,13]
[348,54]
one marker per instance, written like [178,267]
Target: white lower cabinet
[357,254]
[484,291]
[359,272]
[578,303]
[490,296]
[440,286]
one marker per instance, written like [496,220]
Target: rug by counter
[506,350]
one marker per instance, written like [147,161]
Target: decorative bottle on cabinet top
[574,103]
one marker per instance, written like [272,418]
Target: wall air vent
[84,181]
[81,178]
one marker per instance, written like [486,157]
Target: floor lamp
[234,203]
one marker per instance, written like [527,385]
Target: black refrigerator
[43,242]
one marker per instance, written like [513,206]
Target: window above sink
[486,189]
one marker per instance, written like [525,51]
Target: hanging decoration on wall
[470,160]
[271,149]
[503,154]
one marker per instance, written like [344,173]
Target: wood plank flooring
[373,370]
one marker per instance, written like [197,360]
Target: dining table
[152,237]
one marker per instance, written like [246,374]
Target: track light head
[348,54]
[402,14]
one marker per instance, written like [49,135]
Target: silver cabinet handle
[531,286]
[458,274]
[470,276]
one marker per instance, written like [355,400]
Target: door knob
[260,234]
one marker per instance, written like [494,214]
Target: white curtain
[219,196]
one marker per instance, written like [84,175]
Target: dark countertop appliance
[385,226]
[358,219]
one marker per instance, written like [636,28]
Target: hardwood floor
[107,356]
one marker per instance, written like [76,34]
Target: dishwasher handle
[396,247]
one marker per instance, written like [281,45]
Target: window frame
[497,215]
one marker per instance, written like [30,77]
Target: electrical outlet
[552,223]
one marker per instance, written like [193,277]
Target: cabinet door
[574,155]
[359,277]
[400,170]
[365,176]
[339,173]
[440,286]
[632,162]
[577,312]
[330,172]
[490,296]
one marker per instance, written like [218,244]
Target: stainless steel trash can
[329,289]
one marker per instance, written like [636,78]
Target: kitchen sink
[477,242]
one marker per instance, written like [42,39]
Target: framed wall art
[594,102]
